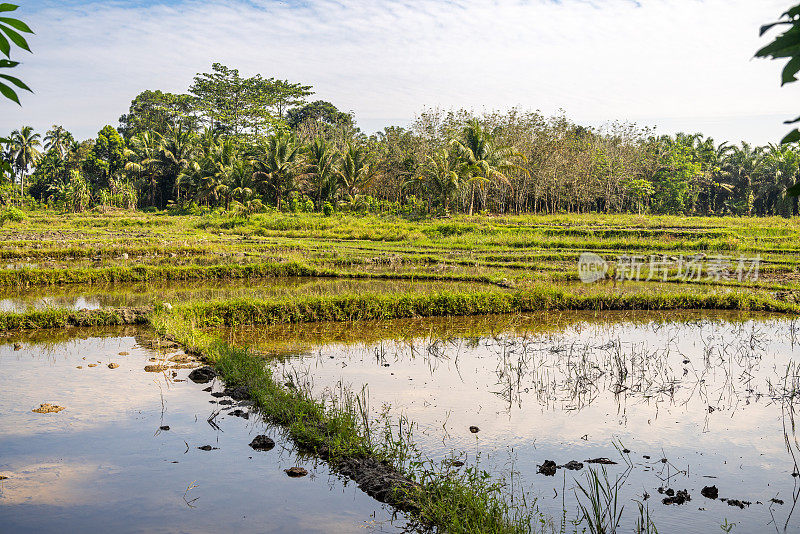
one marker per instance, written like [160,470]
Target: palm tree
[742,165]
[320,170]
[444,173]
[778,172]
[178,146]
[208,177]
[142,153]
[58,139]
[241,180]
[486,161]
[276,164]
[24,144]
[355,171]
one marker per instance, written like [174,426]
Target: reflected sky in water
[103,465]
[710,393]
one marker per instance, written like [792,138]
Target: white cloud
[679,62]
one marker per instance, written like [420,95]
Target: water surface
[104,464]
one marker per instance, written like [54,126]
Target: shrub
[11,214]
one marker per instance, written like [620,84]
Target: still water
[107,463]
[679,401]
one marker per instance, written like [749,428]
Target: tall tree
[106,159]
[486,161]
[58,139]
[24,147]
[155,111]
[320,171]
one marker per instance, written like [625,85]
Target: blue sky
[679,65]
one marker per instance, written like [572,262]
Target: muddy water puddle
[124,295]
[137,451]
[681,401]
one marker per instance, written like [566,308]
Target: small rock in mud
[207,448]
[710,492]
[202,375]
[474,429]
[155,368]
[218,394]
[548,468]
[48,408]
[660,490]
[238,393]
[679,498]
[295,472]
[737,502]
[573,465]
[262,443]
[240,413]
[226,402]
[602,461]
[207,389]
[113,365]
[17,346]
[669,492]
[164,428]
[776,501]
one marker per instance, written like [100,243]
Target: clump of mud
[48,408]
[296,472]
[710,492]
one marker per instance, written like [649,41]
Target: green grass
[368,307]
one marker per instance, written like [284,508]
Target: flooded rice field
[100,432]
[142,294]
[691,414]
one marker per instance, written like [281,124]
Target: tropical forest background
[253,144]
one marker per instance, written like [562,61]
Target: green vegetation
[380,307]
[250,145]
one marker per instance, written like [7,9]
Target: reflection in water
[696,399]
[109,463]
[124,295]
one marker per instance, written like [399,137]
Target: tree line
[250,144]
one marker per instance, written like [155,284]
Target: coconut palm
[276,164]
[58,139]
[320,177]
[486,161]
[143,161]
[178,146]
[356,170]
[24,145]
[444,173]
[742,166]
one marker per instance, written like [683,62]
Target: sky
[677,65]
